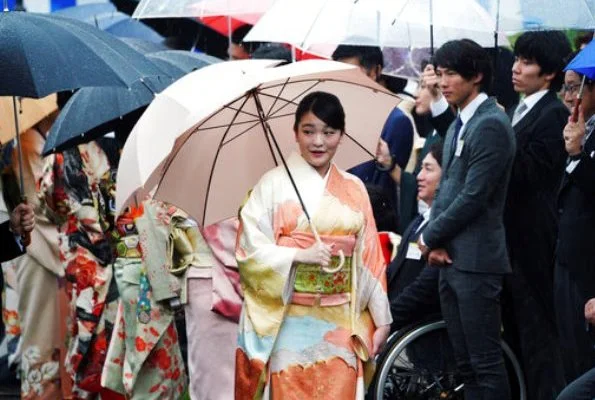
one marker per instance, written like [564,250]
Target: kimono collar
[309,182]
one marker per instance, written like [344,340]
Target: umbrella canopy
[43,54]
[29,111]
[86,12]
[154,135]
[75,124]
[185,60]
[239,9]
[144,46]
[384,23]
[584,61]
[121,25]
[222,155]
[521,15]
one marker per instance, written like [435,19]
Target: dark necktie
[458,126]
[414,227]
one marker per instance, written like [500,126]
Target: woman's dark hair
[382,208]
[436,151]
[548,49]
[467,59]
[324,106]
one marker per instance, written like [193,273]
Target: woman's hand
[379,338]
[319,253]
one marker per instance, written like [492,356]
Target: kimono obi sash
[310,278]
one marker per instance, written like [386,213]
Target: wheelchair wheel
[419,364]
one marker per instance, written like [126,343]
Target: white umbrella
[200,8]
[384,23]
[233,138]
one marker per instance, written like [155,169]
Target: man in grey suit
[465,235]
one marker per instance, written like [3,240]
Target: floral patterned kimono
[295,327]
[144,360]
[73,189]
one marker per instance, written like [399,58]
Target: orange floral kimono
[295,327]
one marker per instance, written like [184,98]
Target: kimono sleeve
[372,268]
[264,266]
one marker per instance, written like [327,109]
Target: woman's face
[317,141]
[428,179]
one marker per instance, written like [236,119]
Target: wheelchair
[418,364]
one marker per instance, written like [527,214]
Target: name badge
[413,252]
[459,150]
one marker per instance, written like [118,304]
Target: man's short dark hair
[467,59]
[548,49]
[238,35]
[368,56]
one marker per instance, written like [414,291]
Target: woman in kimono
[298,315]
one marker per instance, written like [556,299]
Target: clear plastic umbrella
[200,8]
[522,15]
[384,23]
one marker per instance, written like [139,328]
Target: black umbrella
[186,60]
[75,124]
[42,54]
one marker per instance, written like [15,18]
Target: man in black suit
[412,286]
[530,215]
[574,275]
[465,235]
[21,221]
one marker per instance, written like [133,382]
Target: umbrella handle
[341,254]
[577,103]
[26,236]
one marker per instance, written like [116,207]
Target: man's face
[457,90]
[372,73]
[237,52]
[423,100]
[527,77]
[572,84]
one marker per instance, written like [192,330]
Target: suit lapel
[530,118]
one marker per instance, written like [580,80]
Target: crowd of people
[477,209]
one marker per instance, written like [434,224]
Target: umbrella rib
[240,134]
[268,113]
[264,125]
[242,111]
[237,112]
[223,126]
[291,101]
[359,145]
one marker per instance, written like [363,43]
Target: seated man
[413,286]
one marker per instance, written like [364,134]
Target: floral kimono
[73,190]
[144,360]
[296,323]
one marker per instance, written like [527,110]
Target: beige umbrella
[30,112]
[242,127]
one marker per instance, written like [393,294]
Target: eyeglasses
[571,88]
